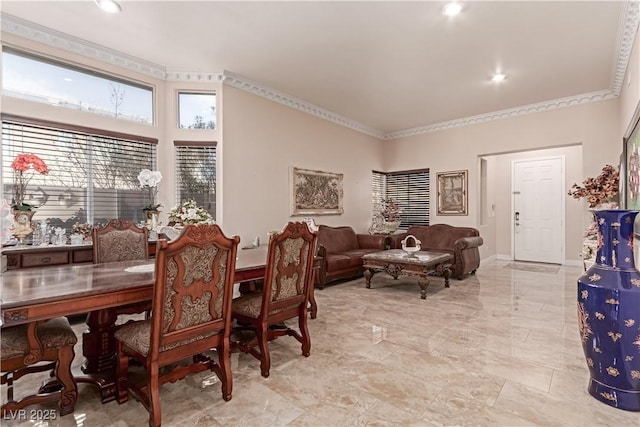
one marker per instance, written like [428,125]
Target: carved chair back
[289,272]
[120,240]
[194,289]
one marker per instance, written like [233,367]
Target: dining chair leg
[153,390]
[225,371]
[304,332]
[265,358]
[69,392]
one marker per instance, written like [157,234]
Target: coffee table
[396,262]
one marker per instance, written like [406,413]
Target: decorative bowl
[410,250]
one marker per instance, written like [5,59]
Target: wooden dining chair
[191,314]
[284,296]
[121,240]
[27,349]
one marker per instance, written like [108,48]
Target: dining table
[29,296]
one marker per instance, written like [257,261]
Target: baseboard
[487,260]
[504,257]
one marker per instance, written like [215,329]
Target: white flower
[148,178]
[188,212]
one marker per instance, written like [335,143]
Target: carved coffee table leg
[424,284]
[368,274]
[446,273]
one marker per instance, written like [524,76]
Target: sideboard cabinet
[39,256]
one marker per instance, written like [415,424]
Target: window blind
[409,189]
[377,192]
[196,173]
[92,178]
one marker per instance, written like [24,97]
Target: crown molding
[630,19]
[247,85]
[505,114]
[189,76]
[30,31]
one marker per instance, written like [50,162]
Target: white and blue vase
[609,313]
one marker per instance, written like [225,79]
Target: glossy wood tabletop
[42,293]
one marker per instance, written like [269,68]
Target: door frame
[563,189]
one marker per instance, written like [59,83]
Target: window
[410,189]
[93,174]
[196,173]
[51,82]
[196,110]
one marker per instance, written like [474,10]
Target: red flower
[23,162]
[21,165]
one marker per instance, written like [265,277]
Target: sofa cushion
[337,262]
[440,236]
[337,239]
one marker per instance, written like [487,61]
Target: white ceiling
[388,65]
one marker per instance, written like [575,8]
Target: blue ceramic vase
[609,313]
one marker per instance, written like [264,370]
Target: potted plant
[23,167]
[150,179]
[390,212]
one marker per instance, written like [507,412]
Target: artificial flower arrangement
[150,179]
[22,174]
[188,212]
[390,210]
[85,229]
[601,189]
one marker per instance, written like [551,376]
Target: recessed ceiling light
[68,79]
[498,77]
[452,9]
[110,6]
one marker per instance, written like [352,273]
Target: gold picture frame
[316,192]
[452,193]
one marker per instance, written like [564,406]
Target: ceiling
[388,65]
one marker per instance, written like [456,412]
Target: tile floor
[498,349]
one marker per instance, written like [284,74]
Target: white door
[538,210]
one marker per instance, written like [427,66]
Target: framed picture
[630,175]
[452,193]
[316,192]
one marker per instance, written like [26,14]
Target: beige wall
[262,140]
[594,127]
